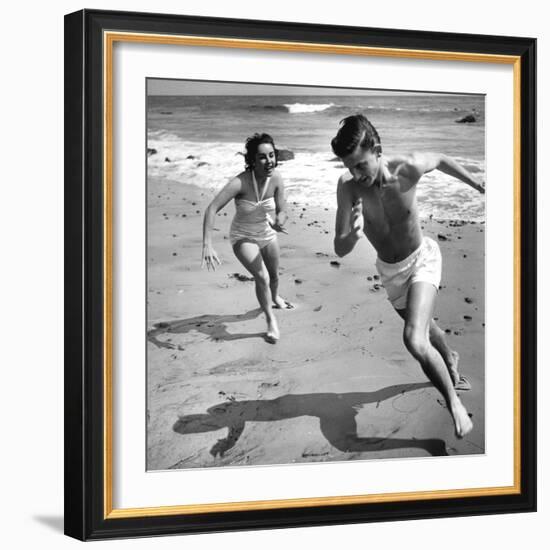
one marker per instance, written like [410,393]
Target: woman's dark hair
[252,144]
[355,130]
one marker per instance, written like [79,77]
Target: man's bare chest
[388,206]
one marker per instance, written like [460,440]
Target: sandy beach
[339,385]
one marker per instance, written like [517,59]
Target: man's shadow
[214,326]
[336,412]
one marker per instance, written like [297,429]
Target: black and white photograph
[217,358]
[315,274]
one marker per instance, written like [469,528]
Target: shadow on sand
[336,412]
[214,326]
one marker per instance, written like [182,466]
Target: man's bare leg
[450,356]
[420,302]
[439,342]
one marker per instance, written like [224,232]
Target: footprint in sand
[408,402]
[398,361]
[236,367]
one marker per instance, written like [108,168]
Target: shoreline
[202,195]
[333,370]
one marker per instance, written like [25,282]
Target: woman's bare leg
[270,254]
[248,253]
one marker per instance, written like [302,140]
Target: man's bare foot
[272,334]
[460,382]
[281,303]
[452,366]
[461,418]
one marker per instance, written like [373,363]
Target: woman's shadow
[336,412]
[214,326]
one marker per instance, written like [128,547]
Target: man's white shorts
[424,264]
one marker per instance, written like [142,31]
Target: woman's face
[265,160]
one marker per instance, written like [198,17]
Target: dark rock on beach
[466,119]
[151,151]
[284,155]
[240,277]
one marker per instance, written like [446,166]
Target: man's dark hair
[252,144]
[355,130]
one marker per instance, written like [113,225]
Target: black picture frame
[87,514]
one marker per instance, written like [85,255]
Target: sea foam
[296,108]
[310,178]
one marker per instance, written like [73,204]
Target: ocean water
[199,141]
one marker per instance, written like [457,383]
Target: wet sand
[339,385]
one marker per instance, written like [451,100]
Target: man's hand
[480,187]
[357,221]
[394,175]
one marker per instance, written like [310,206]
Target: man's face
[363,165]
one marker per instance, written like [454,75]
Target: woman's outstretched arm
[230,191]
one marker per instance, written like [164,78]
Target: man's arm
[349,220]
[421,163]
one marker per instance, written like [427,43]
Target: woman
[260,215]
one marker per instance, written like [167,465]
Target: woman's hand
[277,225]
[279,228]
[209,257]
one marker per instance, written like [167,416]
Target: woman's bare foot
[460,382]
[281,303]
[272,334]
[461,418]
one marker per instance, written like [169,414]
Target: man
[377,198]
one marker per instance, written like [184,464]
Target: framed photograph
[300,274]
